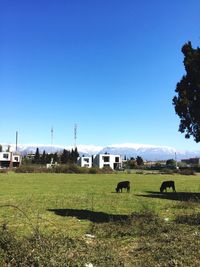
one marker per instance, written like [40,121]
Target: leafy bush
[72,168]
[64,168]
[94,170]
[25,169]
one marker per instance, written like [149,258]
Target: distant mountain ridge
[147,152]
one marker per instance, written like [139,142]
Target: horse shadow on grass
[93,216]
[179,196]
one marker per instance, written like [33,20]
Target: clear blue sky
[111,66]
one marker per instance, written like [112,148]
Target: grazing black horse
[166,184]
[124,184]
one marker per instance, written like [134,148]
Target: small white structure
[108,160]
[85,161]
[9,158]
[52,165]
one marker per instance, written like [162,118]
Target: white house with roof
[85,161]
[108,160]
[8,159]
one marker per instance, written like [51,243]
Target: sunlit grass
[47,217]
[36,194]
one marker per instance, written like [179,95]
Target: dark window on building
[116,159]
[5,156]
[106,165]
[106,158]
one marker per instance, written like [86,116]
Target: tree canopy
[139,161]
[187,100]
[66,157]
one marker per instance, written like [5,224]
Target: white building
[108,160]
[85,162]
[8,159]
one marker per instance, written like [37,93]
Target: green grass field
[37,194]
[75,205]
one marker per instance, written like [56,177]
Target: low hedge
[71,168]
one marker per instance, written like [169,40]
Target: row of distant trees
[133,162]
[65,157]
[139,162]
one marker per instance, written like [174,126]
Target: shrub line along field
[77,205]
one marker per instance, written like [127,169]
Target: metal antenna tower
[51,139]
[16,140]
[75,134]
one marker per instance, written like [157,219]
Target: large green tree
[65,156]
[139,161]
[37,156]
[187,100]
[43,158]
[74,155]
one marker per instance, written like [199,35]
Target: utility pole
[176,161]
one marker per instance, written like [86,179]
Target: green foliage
[26,161]
[68,168]
[43,158]
[187,102]
[66,157]
[139,161]
[171,162]
[74,155]
[36,159]
[130,164]
[32,169]
[69,156]
[62,168]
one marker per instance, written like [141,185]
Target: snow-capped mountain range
[147,152]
